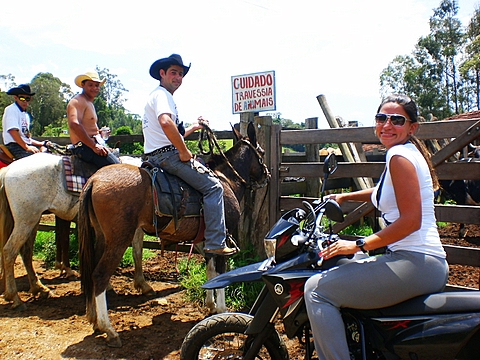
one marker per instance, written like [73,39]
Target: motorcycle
[436,326]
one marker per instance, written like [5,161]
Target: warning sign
[253,92]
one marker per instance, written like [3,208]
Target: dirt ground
[149,327]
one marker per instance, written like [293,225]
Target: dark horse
[117,200]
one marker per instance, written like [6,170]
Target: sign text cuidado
[253,92]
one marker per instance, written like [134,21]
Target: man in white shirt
[16,124]
[165,148]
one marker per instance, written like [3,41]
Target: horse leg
[218,306]
[220,268]
[62,242]
[137,250]
[10,251]
[210,298]
[103,322]
[36,286]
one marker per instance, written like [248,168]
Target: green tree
[430,74]
[470,68]
[6,82]
[109,104]
[48,106]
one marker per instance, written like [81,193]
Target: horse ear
[252,135]
[236,134]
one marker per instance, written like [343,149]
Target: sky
[334,48]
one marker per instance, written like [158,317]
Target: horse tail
[86,238]
[6,218]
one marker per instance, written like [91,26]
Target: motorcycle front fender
[252,272]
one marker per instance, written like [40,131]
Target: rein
[213,143]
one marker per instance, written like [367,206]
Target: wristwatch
[361,243]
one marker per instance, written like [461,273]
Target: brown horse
[117,200]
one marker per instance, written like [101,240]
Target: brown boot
[226,251]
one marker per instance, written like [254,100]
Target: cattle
[464,192]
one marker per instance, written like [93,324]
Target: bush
[238,296]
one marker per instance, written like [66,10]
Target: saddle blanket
[74,183]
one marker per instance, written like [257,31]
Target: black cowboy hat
[164,63]
[23,89]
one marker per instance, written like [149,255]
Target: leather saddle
[173,197]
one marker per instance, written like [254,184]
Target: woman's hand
[339,247]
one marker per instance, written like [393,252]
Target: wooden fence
[278,198]
[463,132]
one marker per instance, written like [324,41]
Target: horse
[29,187]
[117,199]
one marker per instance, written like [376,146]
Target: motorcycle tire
[221,336]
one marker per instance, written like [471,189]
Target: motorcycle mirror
[330,164]
[333,211]
[329,167]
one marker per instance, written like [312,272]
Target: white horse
[29,187]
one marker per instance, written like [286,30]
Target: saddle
[77,173]
[174,198]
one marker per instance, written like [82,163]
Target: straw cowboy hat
[164,63]
[23,89]
[89,75]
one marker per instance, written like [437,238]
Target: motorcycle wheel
[222,336]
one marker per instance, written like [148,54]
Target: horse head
[252,154]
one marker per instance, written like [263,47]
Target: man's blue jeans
[201,179]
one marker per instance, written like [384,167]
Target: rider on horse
[165,148]
[16,125]
[82,123]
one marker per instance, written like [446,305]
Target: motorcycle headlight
[270,246]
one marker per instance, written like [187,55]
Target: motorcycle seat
[438,303]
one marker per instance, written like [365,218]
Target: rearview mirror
[330,164]
[333,211]
[329,167]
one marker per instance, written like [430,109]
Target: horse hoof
[72,275]
[19,307]
[114,342]
[150,293]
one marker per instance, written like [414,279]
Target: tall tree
[48,106]
[109,104]
[448,37]
[470,68]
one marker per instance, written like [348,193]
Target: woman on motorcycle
[414,263]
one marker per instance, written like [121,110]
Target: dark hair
[411,109]
[407,104]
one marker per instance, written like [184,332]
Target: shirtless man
[82,123]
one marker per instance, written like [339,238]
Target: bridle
[212,142]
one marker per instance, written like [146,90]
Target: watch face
[360,242]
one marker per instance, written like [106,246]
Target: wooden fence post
[349,151]
[313,155]
[254,221]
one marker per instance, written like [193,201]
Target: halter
[212,141]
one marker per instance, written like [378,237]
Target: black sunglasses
[24,98]
[395,119]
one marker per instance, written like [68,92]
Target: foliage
[288,124]
[442,73]
[48,106]
[238,296]
[357,230]
[127,259]
[44,249]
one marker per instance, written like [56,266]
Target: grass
[44,249]
[238,296]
